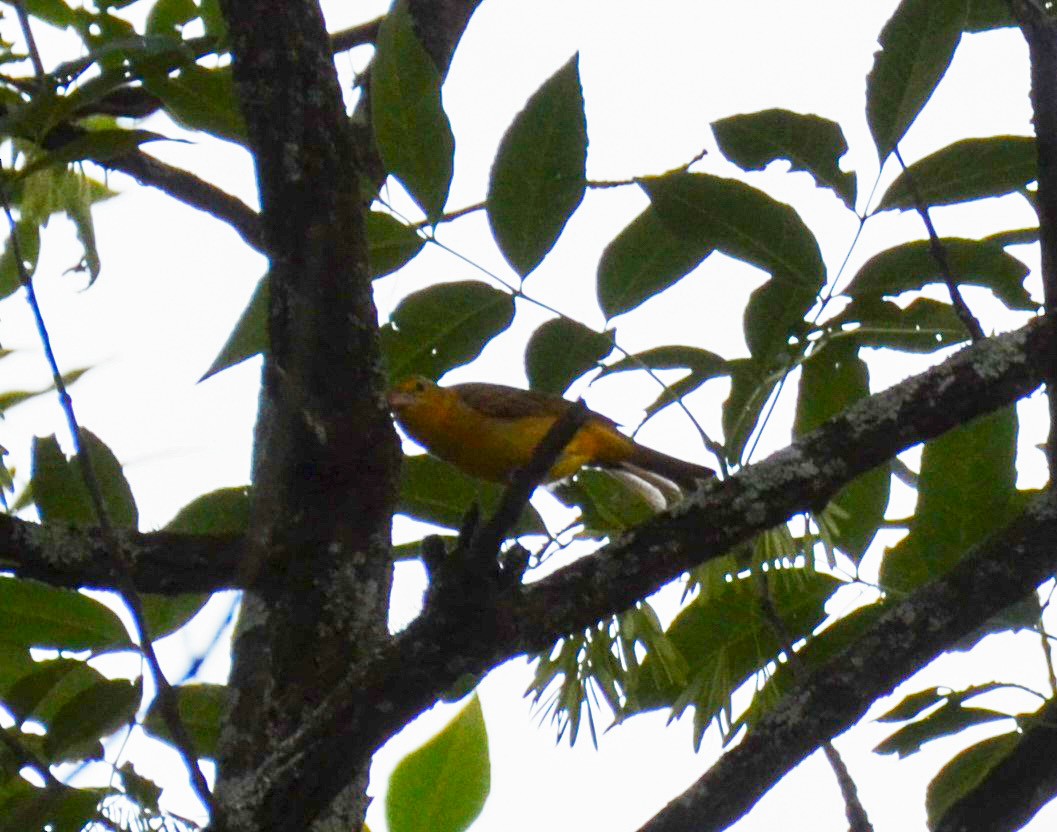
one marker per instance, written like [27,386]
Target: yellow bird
[490,431]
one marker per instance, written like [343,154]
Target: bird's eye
[419,386]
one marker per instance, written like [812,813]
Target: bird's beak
[398,399]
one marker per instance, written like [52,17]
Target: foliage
[746,612]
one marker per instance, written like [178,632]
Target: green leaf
[442,786]
[47,686]
[809,143]
[55,12]
[989,14]
[250,335]
[15,662]
[831,380]
[925,325]
[390,243]
[29,247]
[750,388]
[59,490]
[204,99]
[818,650]
[95,712]
[741,221]
[36,615]
[608,504]
[917,44]
[443,326]
[965,771]
[165,614]
[143,791]
[748,225]
[63,810]
[561,351]
[411,129]
[13,398]
[965,491]
[774,319]
[913,704]
[201,709]
[222,512]
[435,492]
[96,145]
[540,171]
[642,261]
[167,17]
[671,357]
[968,169]
[952,718]
[912,266]
[725,638]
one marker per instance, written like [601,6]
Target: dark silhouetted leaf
[59,490]
[642,261]
[443,326]
[539,174]
[201,710]
[968,169]
[224,511]
[93,713]
[917,44]
[561,351]
[28,247]
[925,325]
[965,491]
[390,243]
[36,615]
[831,380]
[965,772]
[201,99]
[809,143]
[972,262]
[250,335]
[411,129]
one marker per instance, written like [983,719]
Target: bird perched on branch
[491,431]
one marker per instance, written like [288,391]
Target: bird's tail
[684,474]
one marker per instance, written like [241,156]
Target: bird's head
[414,393]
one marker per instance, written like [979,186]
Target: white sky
[655,75]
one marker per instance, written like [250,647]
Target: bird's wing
[504,402]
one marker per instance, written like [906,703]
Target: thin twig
[854,811]
[31,42]
[490,536]
[710,444]
[123,568]
[355,36]
[939,254]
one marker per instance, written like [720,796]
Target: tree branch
[377,698]
[992,576]
[167,563]
[1040,31]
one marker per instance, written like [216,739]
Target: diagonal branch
[376,699]
[993,576]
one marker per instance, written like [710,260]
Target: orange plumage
[490,431]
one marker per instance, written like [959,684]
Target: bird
[491,430]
